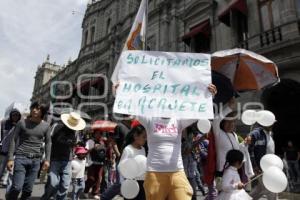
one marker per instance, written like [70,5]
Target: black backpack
[99,154]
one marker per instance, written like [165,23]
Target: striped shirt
[30,137]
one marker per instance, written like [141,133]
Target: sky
[29,30]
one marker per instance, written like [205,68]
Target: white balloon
[142,163]
[275,180]
[75,165]
[129,168]
[130,189]
[204,125]
[249,117]
[265,118]
[270,160]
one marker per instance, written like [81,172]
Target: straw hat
[73,121]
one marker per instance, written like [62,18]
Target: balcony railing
[270,37]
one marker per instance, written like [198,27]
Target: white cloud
[29,30]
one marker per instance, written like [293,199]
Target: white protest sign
[164,84]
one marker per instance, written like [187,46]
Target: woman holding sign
[165,178]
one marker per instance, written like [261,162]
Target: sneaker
[96,197]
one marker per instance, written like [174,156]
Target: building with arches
[268,27]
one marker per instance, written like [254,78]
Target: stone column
[253,25]
[288,10]
[174,29]
[288,14]
[164,32]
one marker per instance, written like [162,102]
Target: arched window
[86,35]
[108,26]
[92,34]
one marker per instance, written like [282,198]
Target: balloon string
[258,176]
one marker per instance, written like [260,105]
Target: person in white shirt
[78,168]
[135,141]
[232,187]
[226,139]
[165,177]
[261,143]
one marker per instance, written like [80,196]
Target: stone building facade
[268,27]
[44,74]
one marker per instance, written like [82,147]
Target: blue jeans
[59,180]
[25,172]
[3,162]
[113,190]
[199,182]
[293,170]
[9,181]
[78,187]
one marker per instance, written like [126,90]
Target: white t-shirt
[80,164]
[270,143]
[224,141]
[164,142]
[230,190]
[89,145]
[131,152]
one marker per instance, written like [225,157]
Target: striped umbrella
[104,126]
[246,70]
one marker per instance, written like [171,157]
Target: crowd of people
[180,159]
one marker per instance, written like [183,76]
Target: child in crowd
[97,148]
[112,152]
[112,176]
[189,162]
[232,187]
[135,140]
[78,168]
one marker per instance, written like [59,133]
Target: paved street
[39,189]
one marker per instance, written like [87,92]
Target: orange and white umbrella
[246,70]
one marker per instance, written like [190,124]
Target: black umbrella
[224,86]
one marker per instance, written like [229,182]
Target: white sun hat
[73,121]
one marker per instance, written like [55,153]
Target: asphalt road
[39,189]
